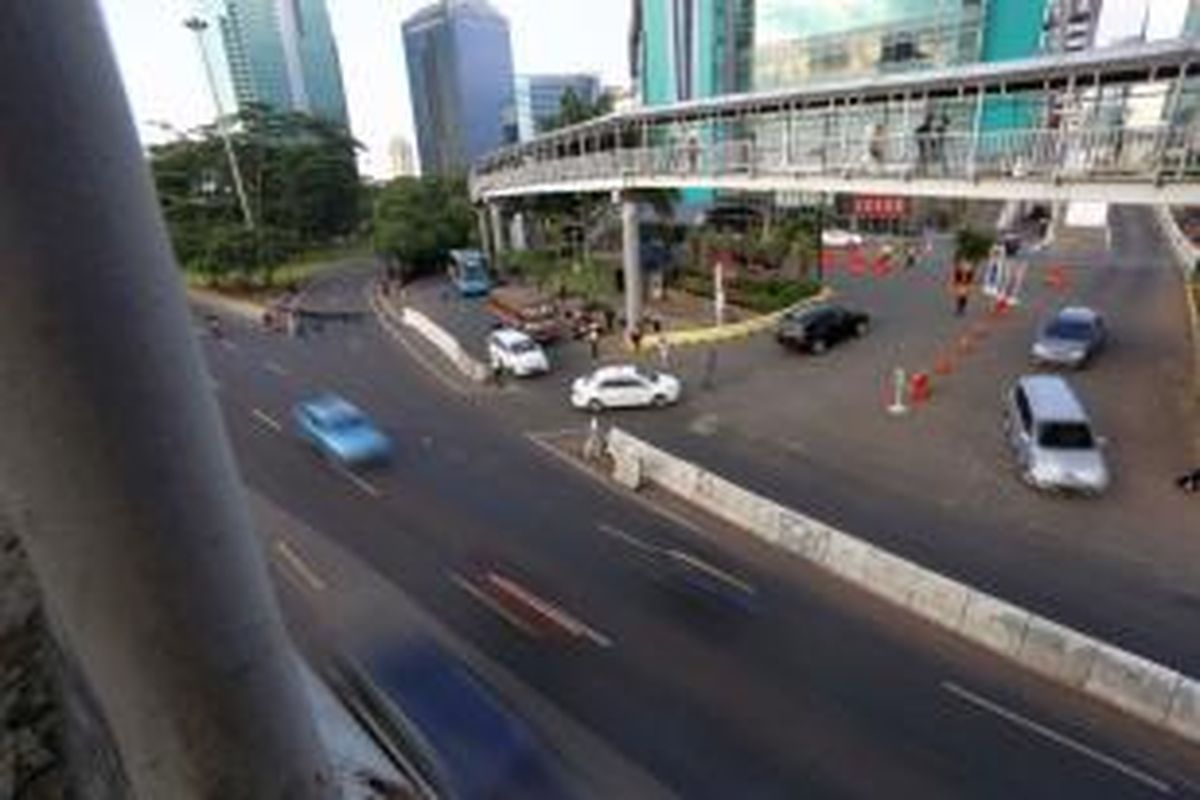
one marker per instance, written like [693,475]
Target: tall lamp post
[198,26]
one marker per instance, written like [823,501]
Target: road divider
[436,335]
[734,330]
[1153,693]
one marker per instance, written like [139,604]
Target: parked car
[1052,436]
[469,271]
[624,386]
[526,310]
[516,353]
[837,237]
[1071,338]
[818,328]
[340,431]
[456,738]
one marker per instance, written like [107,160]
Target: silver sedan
[1071,338]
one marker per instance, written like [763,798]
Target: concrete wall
[1152,692]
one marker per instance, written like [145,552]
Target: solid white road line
[300,566]
[266,419]
[1058,738]
[275,368]
[360,482]
[716,572]
[492,605]
[627,538]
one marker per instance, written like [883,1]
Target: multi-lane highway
[818,693]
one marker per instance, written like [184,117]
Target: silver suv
[1052,436]
[1070,338]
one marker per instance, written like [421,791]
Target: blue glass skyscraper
[460,80]
[277,53]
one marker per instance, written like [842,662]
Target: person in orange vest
[961,286]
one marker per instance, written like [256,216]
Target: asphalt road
[822,693]
[939,485]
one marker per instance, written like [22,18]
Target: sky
[164,78]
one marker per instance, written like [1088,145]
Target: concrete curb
[720,333]
[436,335]
[1186,254]
[1141,688]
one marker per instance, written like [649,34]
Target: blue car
[436,717]
[340,431]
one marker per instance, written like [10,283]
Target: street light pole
[198,26]
[114,466]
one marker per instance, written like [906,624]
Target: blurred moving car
[516,353]
[1052,436]
[837,237]
[445,727]
[816,329]
[1071,338]
[468,269]
[340,431]
[624,386]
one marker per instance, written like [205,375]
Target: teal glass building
[277,53]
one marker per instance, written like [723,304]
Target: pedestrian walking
[610,317]
[940,130]
[593,337]
[962,290]
[924,134]
[875,144]
[1189,481]
[664,351]
[635,338]
[910,257]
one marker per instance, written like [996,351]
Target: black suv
[815,329]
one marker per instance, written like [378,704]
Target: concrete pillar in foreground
[631,263]
[114,467]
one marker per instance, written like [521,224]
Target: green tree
[417,220]
[301,183]
[972,246]
[573,109]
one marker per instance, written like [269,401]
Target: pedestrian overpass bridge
[1114,125]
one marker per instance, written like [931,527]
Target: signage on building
[869,206]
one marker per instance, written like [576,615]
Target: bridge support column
[485,235]
[497,215]
[631,263]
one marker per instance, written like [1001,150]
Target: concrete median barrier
[940,600]
[1135,684]
[1057,652]
[1184,718]
[446,344]
[1138,686]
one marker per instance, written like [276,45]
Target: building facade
[460,81]
[276,53]
[689,49]
[537,99]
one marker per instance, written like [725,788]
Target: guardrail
[1158,154]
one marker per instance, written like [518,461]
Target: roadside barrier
[1141,688]
[735,330]
[919,388]
[438,336]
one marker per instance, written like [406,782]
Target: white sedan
[516,353]
[836,237]
[624,386]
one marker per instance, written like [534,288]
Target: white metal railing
[1151,153]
